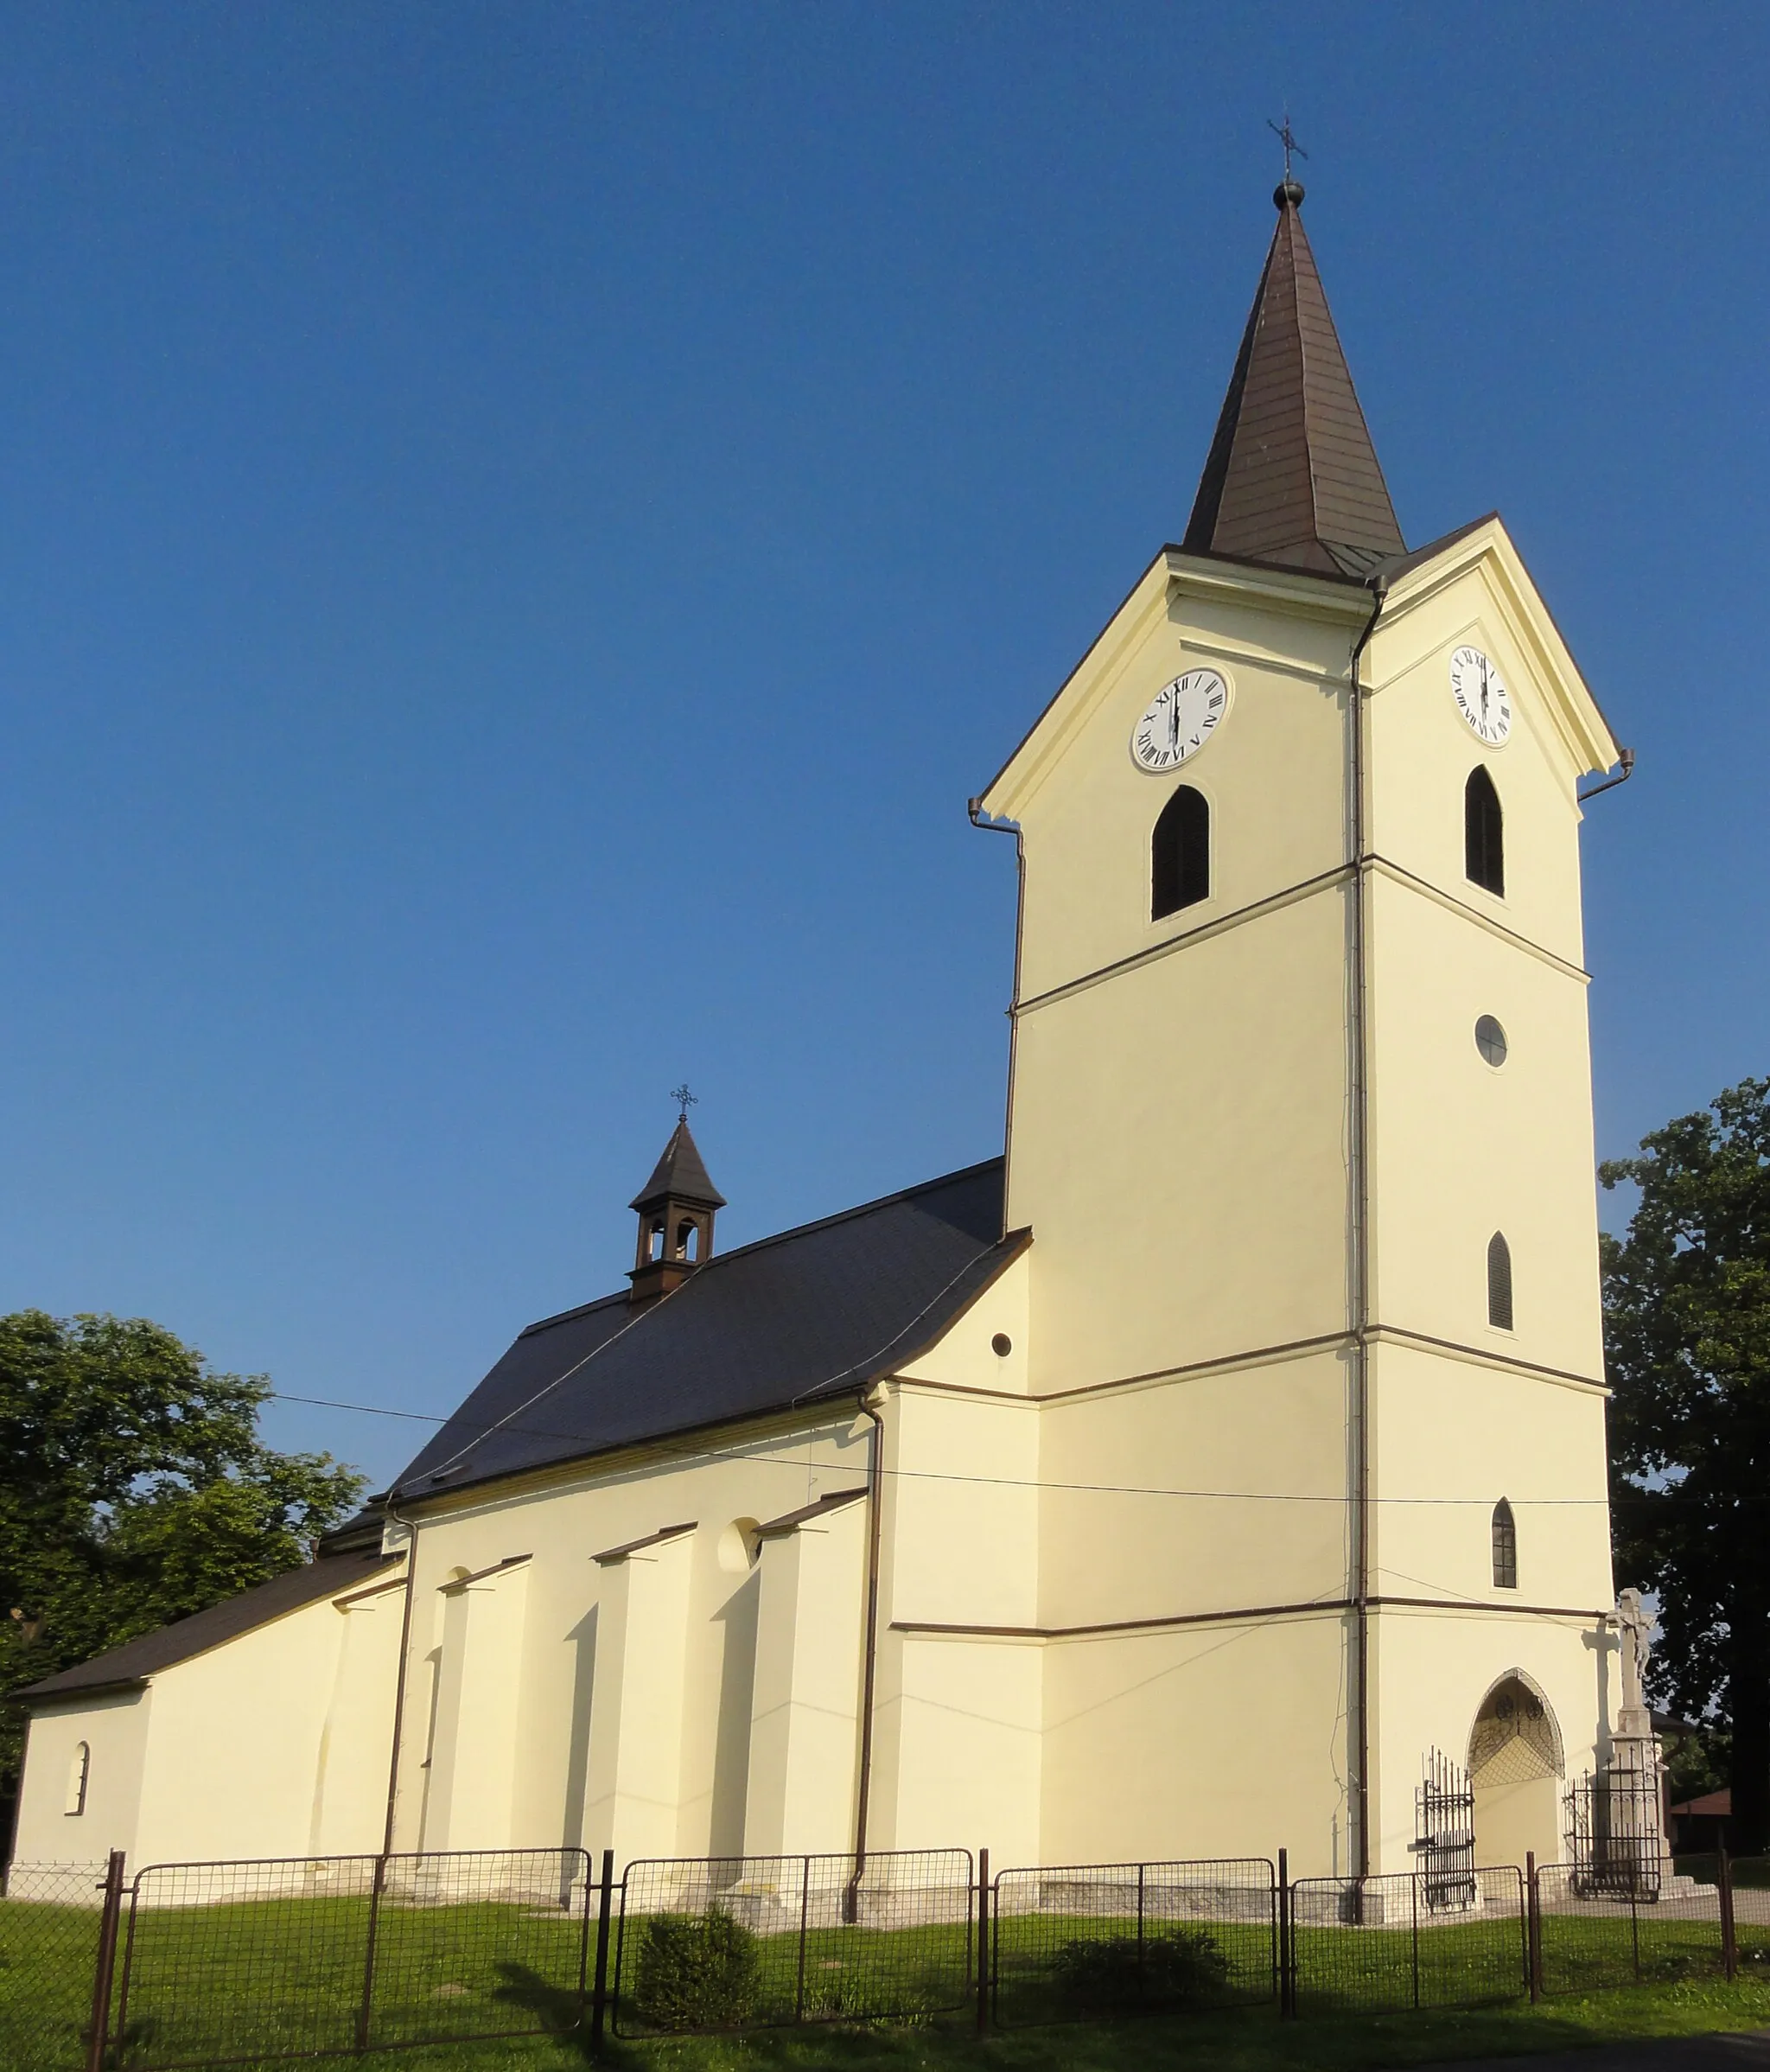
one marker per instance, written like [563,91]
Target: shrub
[1185,1963]
[696,1971]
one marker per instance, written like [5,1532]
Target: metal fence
[192,1965]
[735,1943]
[1673,1921]
[50,1924]
[1369,1945]
[306,1957]
[1085,1941]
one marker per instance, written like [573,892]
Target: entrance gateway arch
[1516,1770]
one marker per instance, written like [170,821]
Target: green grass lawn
[287,1974]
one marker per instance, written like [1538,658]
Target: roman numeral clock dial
[1482,697]
[1179,721]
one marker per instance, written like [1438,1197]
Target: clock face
[1179,720]
[1480,696]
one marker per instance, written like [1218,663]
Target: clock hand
[1484,687]
[1174,724]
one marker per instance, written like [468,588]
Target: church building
[1183,1480]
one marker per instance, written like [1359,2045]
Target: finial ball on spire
[1289,193]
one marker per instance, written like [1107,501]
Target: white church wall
[803,1723]
[572,1765]
[350,1805]
[962,1509]
[959,1744]
[967,1355]
[1450,1438]
[1422,751]
[1275,766]
[635,1752]
[469,1790]
[1431,1670]
[59,1826]
[232,1760]
[1179,1148]
[1206,1741]
[1128,1530]
[1462,1149]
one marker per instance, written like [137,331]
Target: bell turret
[676,1209]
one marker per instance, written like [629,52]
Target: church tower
[1301,1122]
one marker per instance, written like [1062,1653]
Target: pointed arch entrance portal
[1515,1767]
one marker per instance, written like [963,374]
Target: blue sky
[520,527]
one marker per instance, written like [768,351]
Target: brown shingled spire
[1292,476]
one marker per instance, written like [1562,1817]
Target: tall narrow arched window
[1483,833]
[79,1766]
[1505,1547]
[1179,854]
[1500,1282]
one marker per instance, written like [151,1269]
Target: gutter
[1359,1233]
[869,1657]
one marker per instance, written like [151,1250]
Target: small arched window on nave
[1505,1547]
[79,1766]
[1483,833]
[1179,854]
[1499,1282]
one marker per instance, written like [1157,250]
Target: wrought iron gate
[1444,1835]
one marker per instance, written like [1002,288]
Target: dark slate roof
[816,1312]
[679,1176]
[136,1660]
[1292,475]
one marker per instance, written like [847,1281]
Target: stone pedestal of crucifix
[1636,1838]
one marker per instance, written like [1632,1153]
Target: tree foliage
[1687,1341]
[133,1490]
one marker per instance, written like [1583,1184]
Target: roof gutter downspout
[869,1653]
[411,1570]
[974,808]
[1359,1055]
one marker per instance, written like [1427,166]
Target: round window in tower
[1001,1345]
[1490,1041]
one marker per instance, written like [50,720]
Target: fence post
[1413,1889]
[598,1992]
[1533,1930]
[1287,1983]
[982,1941]
[805,1910]
[366,2005]
[98,2034]
[1730,1938]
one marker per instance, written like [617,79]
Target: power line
[1008,1482]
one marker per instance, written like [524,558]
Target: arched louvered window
[1483,833]
[1505,1547]
[1499,1282]
[1179,854]
[80,1765]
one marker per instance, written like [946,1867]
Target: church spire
[1292,476]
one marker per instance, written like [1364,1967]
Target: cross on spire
[684,1101]
[1287,136]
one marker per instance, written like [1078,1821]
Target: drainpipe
[411,1570]
[869,1648]
[974,808]
[1359,1053]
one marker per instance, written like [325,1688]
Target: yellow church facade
[1180,1484]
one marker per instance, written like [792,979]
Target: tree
[133,1490]
[1687,1343]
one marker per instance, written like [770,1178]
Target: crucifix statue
[1636,1629]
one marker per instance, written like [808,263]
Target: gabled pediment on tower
[1434,595]
[1269,606]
